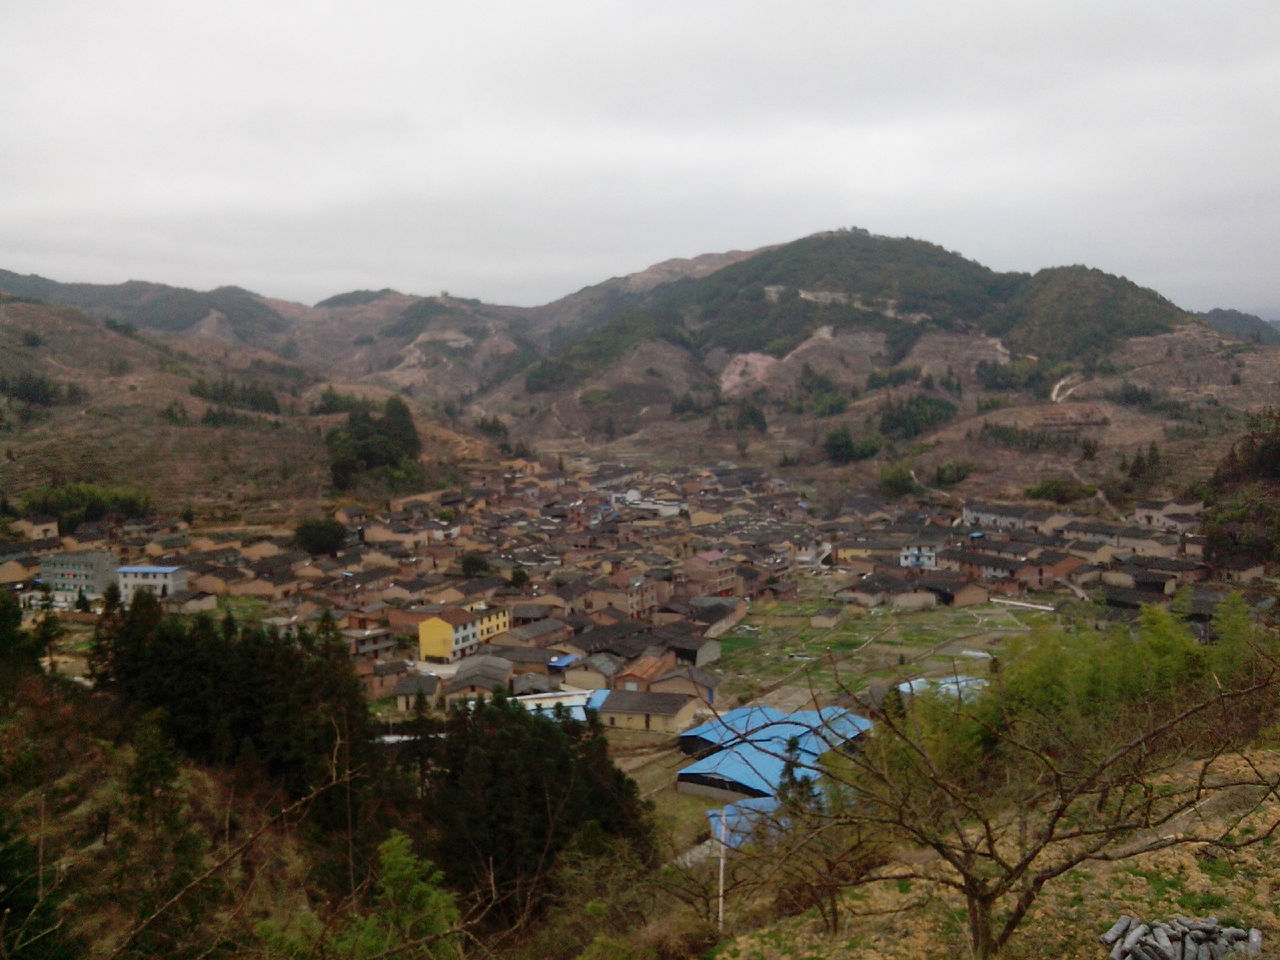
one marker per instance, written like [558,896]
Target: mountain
[226,311]
[906,346]
[852,280]
[1242,326]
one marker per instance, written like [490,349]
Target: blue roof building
[745,751]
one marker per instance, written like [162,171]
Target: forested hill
[1243,326]
[154,306]
[900,287]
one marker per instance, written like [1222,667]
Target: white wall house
[162,581]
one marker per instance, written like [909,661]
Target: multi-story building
[455,632]
[68,575]
[162,581]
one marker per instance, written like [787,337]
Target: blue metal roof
[756,742]
[815,731]
[756,768]
[744,723]
[597,699]
[144,569]
[742,820]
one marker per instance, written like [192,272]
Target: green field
[776,643]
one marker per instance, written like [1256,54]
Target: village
[645,597]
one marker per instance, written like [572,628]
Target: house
[710,573]
[954,591]
[634,710]
[18,569]
[477,677]
[455,632]
[688,680]
[36,528]
[745,752]
[409,686]
[87,572]
[161,581]
[369,644]
[1239,569]
[380,678]
[638,675]
[920,552]
[827,618]
[595,672]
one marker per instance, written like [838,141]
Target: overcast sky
[517,151]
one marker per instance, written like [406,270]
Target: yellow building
[454,632]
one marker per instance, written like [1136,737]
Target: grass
[870,646]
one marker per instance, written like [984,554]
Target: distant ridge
[155,306]
[1245,326]
[357,298]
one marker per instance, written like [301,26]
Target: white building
[162,581]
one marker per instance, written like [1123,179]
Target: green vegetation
[952,472]
[230,691]
[896,479]
[356,298]
[222,417]
[1028,441]
[549,785]
[230,393]
[1076,313]
[892,377]
[840,447]
[1024,373]
[474,565]
[1069,749]
[37,390]
[818,394]
[153,305]
[1244,326]
[76,503]
[1061,490]
[918,414]
[901,288]
[320,536]
[385,448]
[1242,515]
[415,319]
[1151,401]
[410,915]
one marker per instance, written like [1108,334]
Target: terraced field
[777,656]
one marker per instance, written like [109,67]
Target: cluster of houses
[605,578]
[1011,549]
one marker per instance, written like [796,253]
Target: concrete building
[85,571]
[161,581]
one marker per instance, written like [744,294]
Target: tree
[1083,746]
[896,479]
[410,915]
[519,578]
[840,447]
[29,925]
[474,565]
[321,536]
[19,651]
[508,790]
